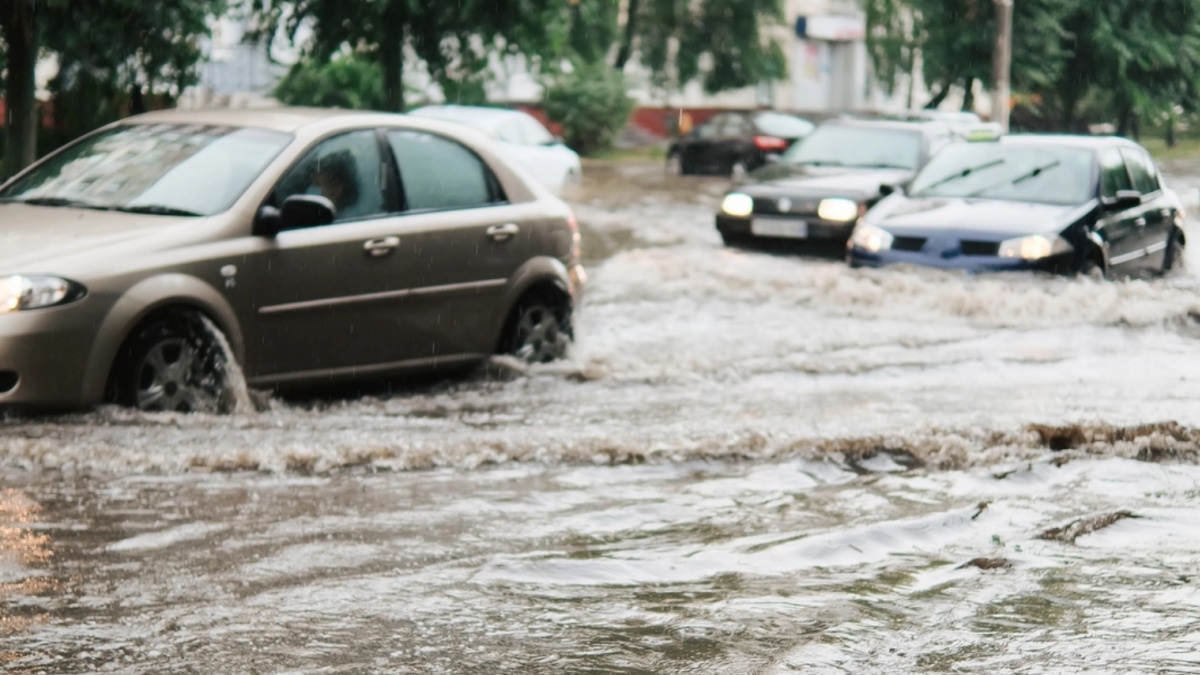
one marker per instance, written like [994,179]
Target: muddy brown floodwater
[750,463]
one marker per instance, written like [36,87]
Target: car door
[1118,224]
[460,243]
[1157,215]
[323,292]
[698,153]
[736,143]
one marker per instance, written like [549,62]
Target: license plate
[779,227]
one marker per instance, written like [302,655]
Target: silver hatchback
[305,246]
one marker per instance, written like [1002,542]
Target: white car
[528,142]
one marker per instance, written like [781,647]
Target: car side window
[1145,176]
[1113,174]
[438,173]
[346,170]
[709,128]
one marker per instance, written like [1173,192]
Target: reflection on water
[23,582]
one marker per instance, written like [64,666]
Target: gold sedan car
[309,246]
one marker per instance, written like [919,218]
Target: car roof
[1095,143]
[895,124]
[286,119]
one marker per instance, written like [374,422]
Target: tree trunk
[391,53]
[968,104]
[937,99]
[1170,138]
[626,49]
[20,36]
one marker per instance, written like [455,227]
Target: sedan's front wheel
[540,329]
[175,363]
[1173,257]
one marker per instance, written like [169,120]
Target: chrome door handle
[1140,222]
[502,232]
[377,248]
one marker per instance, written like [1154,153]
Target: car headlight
[738,204]
[1034,247]
[871,238]
[19,293]
[838,210]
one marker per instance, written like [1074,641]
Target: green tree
[450,38]
[590,104]
[732,36]
[347,81]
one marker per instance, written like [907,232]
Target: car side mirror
[297,212]
[1124,199]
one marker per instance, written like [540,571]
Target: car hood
[983,218]
[36,239]
[793,179]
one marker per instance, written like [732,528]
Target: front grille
[908,243]
[795,206]
[980,248]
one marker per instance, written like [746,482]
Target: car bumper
[1062,263]
[43,358]
[816,230]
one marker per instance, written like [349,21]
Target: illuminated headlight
[871,238]
[738,204]
[1034,247]
[34,292]
[837,210]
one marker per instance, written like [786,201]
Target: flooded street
[751,463]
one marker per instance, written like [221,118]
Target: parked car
[735,143]
[319,245]
[1065,204]
[523,137]
[821,185]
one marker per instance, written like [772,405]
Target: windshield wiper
[59,201]
[1028,175]
[880,165]
[963,174]
[157,210]
[819,162]
[1035,172]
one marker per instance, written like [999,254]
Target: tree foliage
[346,81]
[1076,60]
[451,39]
[591,105]
[724,44]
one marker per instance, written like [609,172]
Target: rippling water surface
[751,463]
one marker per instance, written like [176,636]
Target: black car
[1063,204]
[734,143]
[821,185]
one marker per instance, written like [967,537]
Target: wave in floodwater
[119,441]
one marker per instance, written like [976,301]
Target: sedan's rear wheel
[175,364]
[540,329]
[674,164]
[738,171]
[1173,257]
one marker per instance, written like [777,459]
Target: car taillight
[576,238]
[770,143]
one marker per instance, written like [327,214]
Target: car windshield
[170,169]
[783,126]
[1044,174]
[858,146]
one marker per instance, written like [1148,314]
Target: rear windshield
[858,147]
[153,168]
[783,126]
[1046,174]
